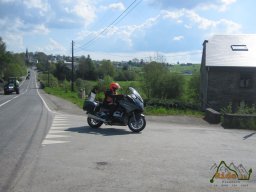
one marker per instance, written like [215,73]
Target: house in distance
[228,71]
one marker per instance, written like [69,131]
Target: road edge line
[45,104]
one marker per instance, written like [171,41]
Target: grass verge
[73,97]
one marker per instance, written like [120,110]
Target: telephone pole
[72,74]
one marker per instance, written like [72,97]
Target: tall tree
[62,72]
[106,68]
[43,63]
[15,66]
[152,74]
[2,57]
[86,69]
[161,83]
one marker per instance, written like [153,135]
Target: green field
[195,68]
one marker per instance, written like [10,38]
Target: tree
[2,57]
[161,83]
[15,66]
[125,75]
[86,69]
[62,72]
[152,72]
[43,63]
[194,88]
[106,68]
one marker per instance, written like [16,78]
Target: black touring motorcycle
[128,112]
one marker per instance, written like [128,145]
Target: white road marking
[45,104]
[47,142]
[60,125]
[52,131]
[50,136]
[59,128]
[5,103]
[57,131]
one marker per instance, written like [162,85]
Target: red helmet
[114,86]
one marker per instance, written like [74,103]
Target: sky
[164,30]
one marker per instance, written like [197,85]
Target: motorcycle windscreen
[92,97]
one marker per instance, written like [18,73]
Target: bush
[240,121]
[125,75]
[243,118]
[84,85]
[193,89]
[171,104]
[53,81]
[161,83]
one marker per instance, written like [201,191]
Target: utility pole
[72,75]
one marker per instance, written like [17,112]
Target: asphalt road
[52,150]
[24,122]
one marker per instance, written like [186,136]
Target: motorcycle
[128,111]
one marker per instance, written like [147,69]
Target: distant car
[12,86]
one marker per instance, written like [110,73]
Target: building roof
[231,51]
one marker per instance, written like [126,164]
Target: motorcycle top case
[89,105]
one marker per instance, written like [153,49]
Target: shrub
[84,85]
[53,82]
[244,117]
[161,83]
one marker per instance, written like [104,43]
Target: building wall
[203,79]
[224,87]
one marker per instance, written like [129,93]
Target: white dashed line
[51,136]
[47,142]
[57,131]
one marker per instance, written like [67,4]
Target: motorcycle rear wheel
[94,123]
[138,124]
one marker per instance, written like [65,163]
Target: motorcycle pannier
[89,106]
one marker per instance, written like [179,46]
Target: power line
[110,25]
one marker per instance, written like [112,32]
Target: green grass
[73,97]
[195,68]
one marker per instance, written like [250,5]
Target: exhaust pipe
[96,118]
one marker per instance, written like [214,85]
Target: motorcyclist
[111,97]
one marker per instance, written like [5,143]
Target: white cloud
[15,41]
[221,25]
[40,29]
[11,25]
[54,47]
[43,6]
[178,38]
[119,6]
[202,22]
[85,10]
[225,4]
[124,33]
[113,6]
[221,5]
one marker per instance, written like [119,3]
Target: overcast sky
[174,30]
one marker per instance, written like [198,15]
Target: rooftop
[231,51]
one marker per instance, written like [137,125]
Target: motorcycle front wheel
[94,123]
[137,123]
